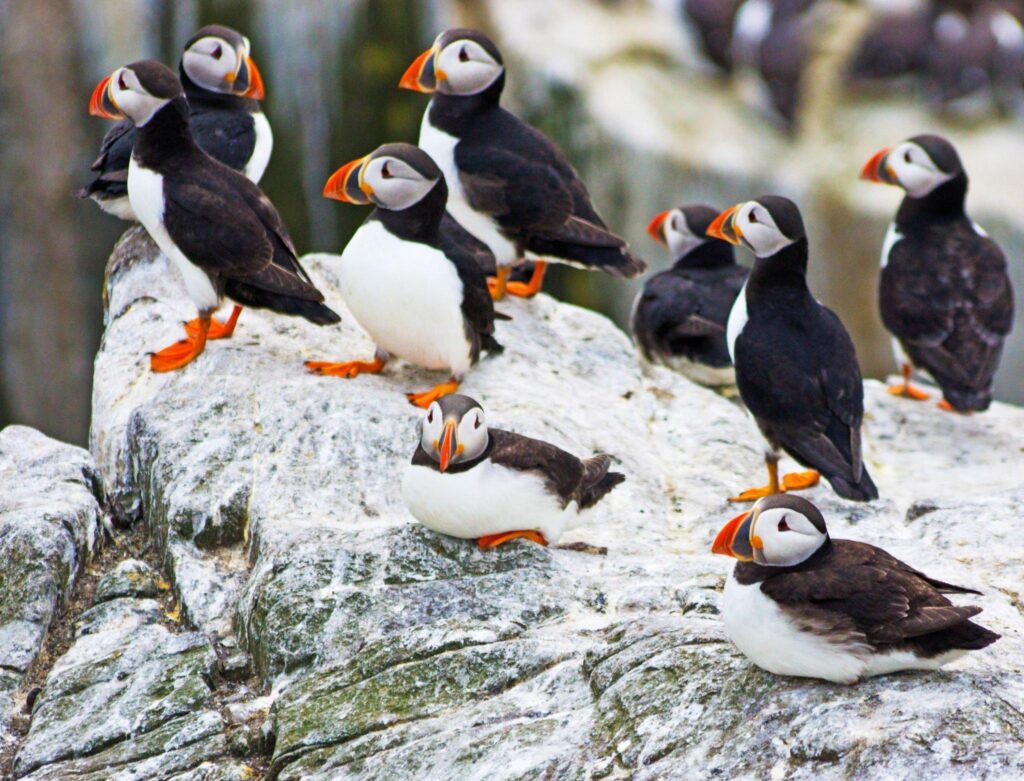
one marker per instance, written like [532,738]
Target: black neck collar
[786,268]
[454,113]
[419,222]
[199,97]
[944,202]
[422,458]
[710,254]
[748,572]
[165,135]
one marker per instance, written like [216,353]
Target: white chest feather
[407,297]
[486,499]
[146,194]
[261,151]
[892,235]
[736,322]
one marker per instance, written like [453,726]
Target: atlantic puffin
[408,276]
[470,481]
[222,85]
[508,184]
[945,293]
[679,317]
[796,366]
[217,227]
[801,603]
[712,21]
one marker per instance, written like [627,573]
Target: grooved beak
[248,81]
[735,539]
[877,169]
[422,76]
[656,227]
[725,228]
[101,104]
[345,185]
[448,446]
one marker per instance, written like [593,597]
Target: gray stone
[130,578]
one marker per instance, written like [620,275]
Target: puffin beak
[346,183]
[101,104]
[422,76]
[725,228]
[248,81]
[656,227]
[448,447]
[735,538]
[877,169]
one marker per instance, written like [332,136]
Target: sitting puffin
[796,367]
[472,482]
[220,231]
[411,277]
[945,294]
[679,317]
[508,184]
[801,603]
[223,86]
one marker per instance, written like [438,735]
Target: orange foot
[791,482]
[427,398]
[498,284]
[218,330]
[907,390]
[177,355]
[346,369]
[945,405]
[531,288]
[494,540]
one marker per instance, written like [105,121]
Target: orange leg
[791,482]
[218,330]
[947,407]
[181,353]
[498,284]
[906,389]
[426,398]
[346,369]
[494,540]
[531,288]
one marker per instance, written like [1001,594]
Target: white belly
[261,152]
[702,374]
[441,147]
[892,235]
[146,194]
[736,322]
[119,207]
[487,499]
[407,297]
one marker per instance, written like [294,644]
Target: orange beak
[101,104]
[345,184]
[735,539]
[877,169]
[656,227]
[447,450]
[725,228]
[422,76]
[255,89]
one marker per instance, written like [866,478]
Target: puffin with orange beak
[410,277]
[945,294]
[801,603]
[508,184]
[680,315]
[217,227]
[473,482]
[796,366]
[223,87]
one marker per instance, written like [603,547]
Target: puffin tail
[863,490]
[597,480]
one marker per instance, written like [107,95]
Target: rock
[392,652]
[130,578]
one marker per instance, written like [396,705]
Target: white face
[467,68]
[680,239]
[470,433]
[211,62]
[786,536]
[914,170]
[759,230]
[396,184]
[132,98]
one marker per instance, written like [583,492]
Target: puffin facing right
[801,603]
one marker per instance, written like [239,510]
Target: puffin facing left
[472,482]
[217,227]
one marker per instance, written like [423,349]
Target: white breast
[146,194]
[892,235]
[261,151]
[737,320]
[119,207]
[407,297]
[486,499]
[441,147]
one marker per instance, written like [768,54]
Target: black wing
[454,236]
[111,165]
[562,471]
[227,136]
[463,250]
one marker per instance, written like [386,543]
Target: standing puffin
[800,603]
[509,185]
[796,367]
[223,86]
[468,481]
[679,317]
[945,294]
[408,275]
[217,227]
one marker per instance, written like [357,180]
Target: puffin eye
[430,416]
[463,56]
[217,52]
[906,156]
[477,422]
[385,173]
[783,526]
[120,81]
[753,217]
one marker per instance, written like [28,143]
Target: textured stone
[130,578]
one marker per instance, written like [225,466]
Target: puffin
[222,85]
[796,366]
[803,604]
[470,481]
[945,294]
[411,278]
[217,227]
[712,21]
[509,185]
[895,44]
[679,317]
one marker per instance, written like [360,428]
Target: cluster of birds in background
[483,193]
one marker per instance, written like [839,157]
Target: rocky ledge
[382,650]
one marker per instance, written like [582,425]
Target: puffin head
[453,430]
[919,165]
[217,59]
[461,62]
[766,226]
[136,91]
[393,176]
[781,530]
[682,229]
